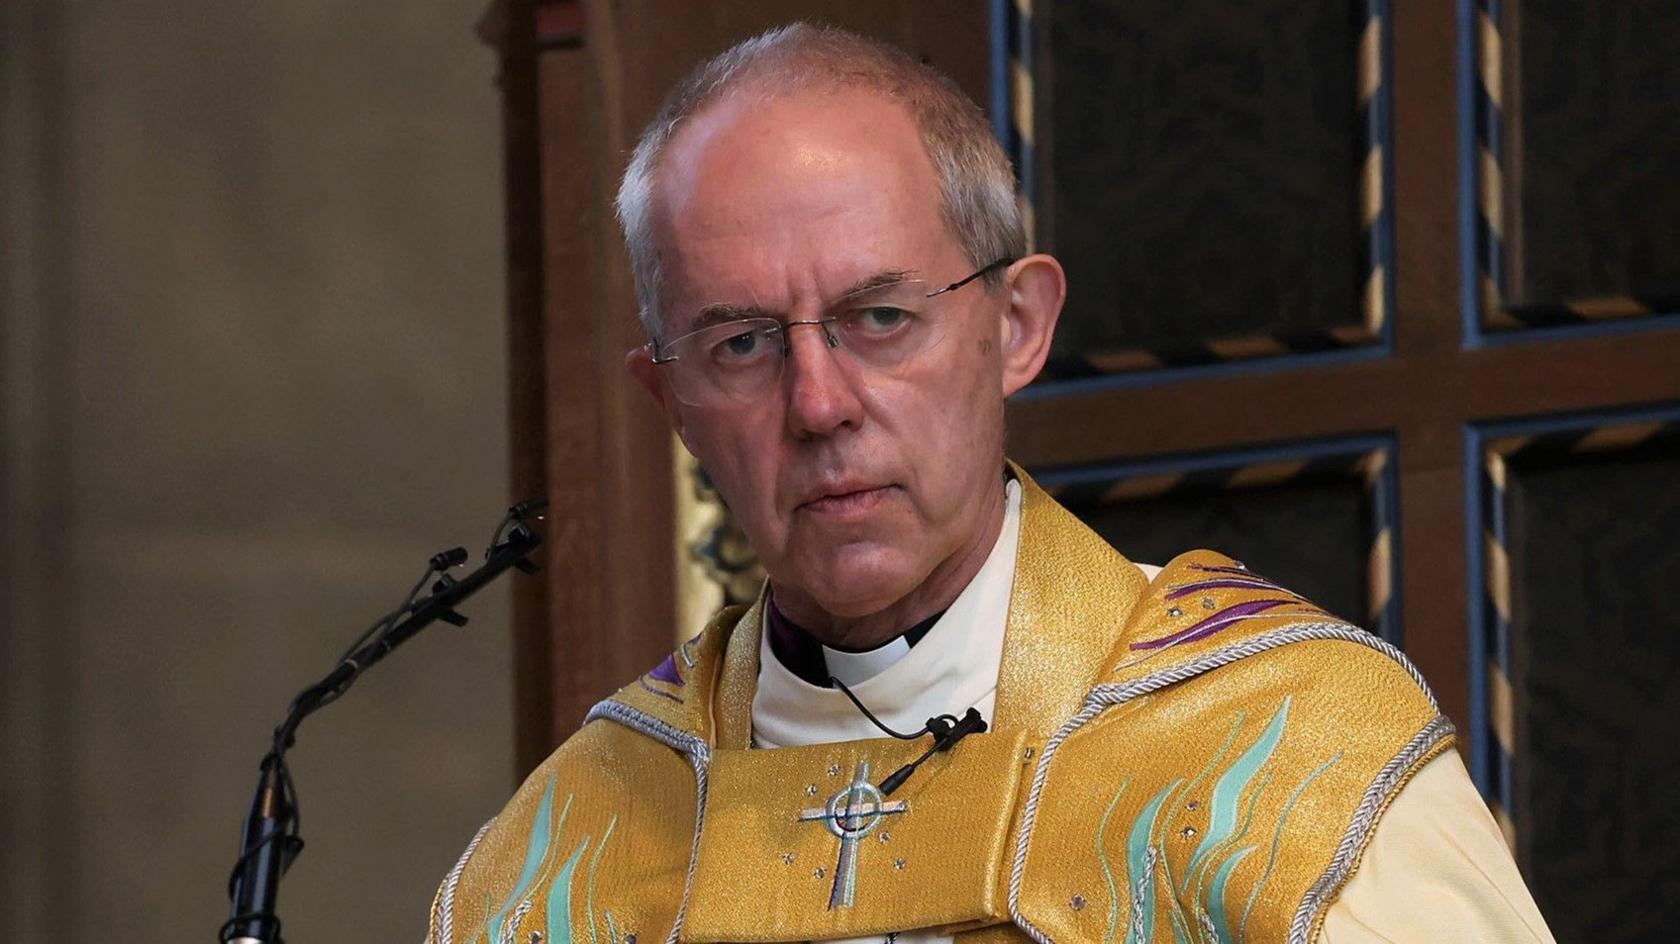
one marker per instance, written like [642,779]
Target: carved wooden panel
[1577,134]
[1582,700]
[1212,176]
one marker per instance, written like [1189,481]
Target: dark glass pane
[1311,537]
[1595,659]
[1596,132]
[1204,169]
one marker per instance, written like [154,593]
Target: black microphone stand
[270,840]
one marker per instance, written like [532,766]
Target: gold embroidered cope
[1200,759]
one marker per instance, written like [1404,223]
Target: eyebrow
[879,280]
[723,312]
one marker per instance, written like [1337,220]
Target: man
[834,277]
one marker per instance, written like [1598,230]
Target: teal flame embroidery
[1108,870]
[1175,914]
[536,853]
[541,867]
[589,894]
[1222,810]
[1216,893]
[1277,836]
[560,899]
[1140,867]
[1198,902]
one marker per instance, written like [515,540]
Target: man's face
[853,485]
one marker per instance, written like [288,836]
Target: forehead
[768,202]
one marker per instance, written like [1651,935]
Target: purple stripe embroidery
[644,684]
[666,671]
[1214,623]
[1224,582]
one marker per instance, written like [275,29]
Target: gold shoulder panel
[1070,600]
[594,846]
[738,679]
[679,691]
[597,843]
[1203,602]
[1222,781]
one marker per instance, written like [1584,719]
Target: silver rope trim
[1145,885]
[699,754]
[1029,814]
[1121,692]
[1364,820]
[512,929]
[1205,922]
[1103,697]
[443,918]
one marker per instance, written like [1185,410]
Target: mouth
[846,501]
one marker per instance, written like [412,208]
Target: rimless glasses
[882,328]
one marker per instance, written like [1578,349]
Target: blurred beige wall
[251,375]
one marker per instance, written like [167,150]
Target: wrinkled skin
[871,499]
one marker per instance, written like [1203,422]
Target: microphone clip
[946,731]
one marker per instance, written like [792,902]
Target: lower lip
[849,505]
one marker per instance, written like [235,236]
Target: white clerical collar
[855,668]
[953,667]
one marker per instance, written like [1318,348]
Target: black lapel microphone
[947,730]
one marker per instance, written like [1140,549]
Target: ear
[639,362]
[1037,287]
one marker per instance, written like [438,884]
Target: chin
[857,607]
[854,588]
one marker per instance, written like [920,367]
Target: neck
[933,595]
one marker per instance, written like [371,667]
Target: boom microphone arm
[270,840]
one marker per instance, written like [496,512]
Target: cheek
[737,450]
[952,421]
[969,385]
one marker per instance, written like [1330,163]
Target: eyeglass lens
[878,329]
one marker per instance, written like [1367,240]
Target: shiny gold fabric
[1229,797]
[1199,759]
[595,846]
[802,833]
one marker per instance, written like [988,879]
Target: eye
[737,347]
[741,344]
[879,319]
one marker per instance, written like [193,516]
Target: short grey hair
[976,183]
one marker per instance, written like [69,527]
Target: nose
[822,398]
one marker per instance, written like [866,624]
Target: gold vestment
[1200,758]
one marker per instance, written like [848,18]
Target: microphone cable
[946,729]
